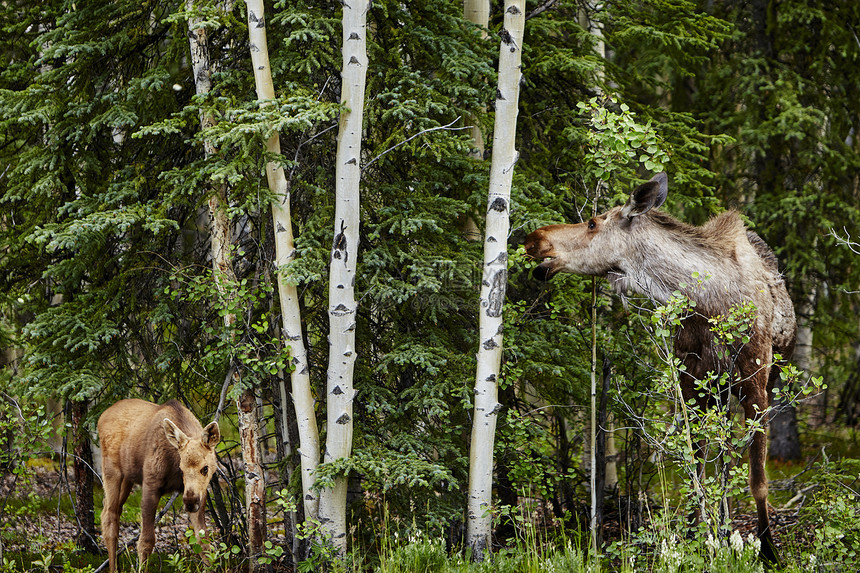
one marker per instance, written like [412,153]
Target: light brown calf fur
[162,448]
[644,250]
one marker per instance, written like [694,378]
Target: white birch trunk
[221,240]
[494,282]
[477,12]
[344,253]
[303,400]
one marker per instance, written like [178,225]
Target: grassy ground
[818,531]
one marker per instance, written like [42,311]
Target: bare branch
[407,140]
[846,240]
[542,8]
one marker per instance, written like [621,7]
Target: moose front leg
[146,542]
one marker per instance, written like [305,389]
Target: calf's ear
[211,435]
[175,436]
[647,196]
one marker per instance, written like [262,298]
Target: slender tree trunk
[255,482]
[477,12]
[600,453]
[221,240]
[83,466]
[784,434]
[494,283]
[344,254]
[302,395]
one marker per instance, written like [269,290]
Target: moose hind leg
[117,490]
[758,483]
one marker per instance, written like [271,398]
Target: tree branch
[437,128]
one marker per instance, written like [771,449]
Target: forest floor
[36,516]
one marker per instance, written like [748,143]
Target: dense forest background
[105,185]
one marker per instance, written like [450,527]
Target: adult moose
[164,449]
[636,247]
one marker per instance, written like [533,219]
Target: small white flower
[711,543]
[753,540]
[736,541]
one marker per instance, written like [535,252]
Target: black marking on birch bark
[337,391]
[340,287]
[494,411]
[341,310]
[351,327]
[506,36]
[511,166]
[351,161]
[344,419]
[513,10]
[254,48]
[502,258]
[501,329]
[499,95]
[251,16]
[491,239]
[499,205]
[491,378]
[280,228]
[338,248]
[309,497]
[489,344]
[496,296]
[353,61]
[354,36]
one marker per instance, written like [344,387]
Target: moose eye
[591,225]
[204,470]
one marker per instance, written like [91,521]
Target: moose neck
[666,255]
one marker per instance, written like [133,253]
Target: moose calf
[635,247]
[162,448]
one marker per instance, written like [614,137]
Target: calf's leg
[117,490]
[146,542]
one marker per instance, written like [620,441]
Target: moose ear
[211,435]
[175,436]
[647,196]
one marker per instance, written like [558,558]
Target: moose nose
[192,503]
[536,244]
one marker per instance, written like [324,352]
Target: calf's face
[599,245]
[196,460]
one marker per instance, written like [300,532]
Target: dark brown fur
[164,449]
[640,249]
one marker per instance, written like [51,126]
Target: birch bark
[303,400]
[342,303]
[224,275]
[494,282]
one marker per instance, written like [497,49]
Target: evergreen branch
[407,140]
